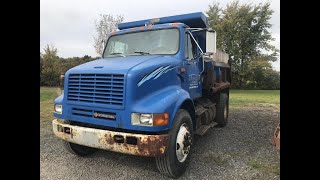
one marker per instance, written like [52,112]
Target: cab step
[204,128]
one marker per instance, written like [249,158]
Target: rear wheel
[177,156]
[222,110]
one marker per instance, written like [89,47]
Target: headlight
[149,119]
[58,108]
[146,119]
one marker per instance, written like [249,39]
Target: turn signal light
[160,119]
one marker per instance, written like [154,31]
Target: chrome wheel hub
[183,143]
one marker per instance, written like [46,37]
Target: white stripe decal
[156,74]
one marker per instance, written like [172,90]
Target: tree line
[243,31]
[52,66]
[260,76]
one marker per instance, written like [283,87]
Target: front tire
[77,149]
[177,156]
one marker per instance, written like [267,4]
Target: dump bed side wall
[220,56]
[217,76]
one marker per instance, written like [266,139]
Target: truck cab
[159,82]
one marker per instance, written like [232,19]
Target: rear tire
[177,156]
[77,149]
[222,110]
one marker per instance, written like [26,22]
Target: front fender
[167,100]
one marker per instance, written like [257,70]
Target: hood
[115,65]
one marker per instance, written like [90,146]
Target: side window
[186,52]
[190,47]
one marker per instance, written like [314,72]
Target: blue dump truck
[158,83]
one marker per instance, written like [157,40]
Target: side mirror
[211,42]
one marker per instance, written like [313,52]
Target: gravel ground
[241,150]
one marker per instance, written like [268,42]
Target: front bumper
[128,143]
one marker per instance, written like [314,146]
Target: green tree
[272,80]
[50,70]
[243,31]
[260,75]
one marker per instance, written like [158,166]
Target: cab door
[191,63]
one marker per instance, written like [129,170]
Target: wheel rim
[183,143]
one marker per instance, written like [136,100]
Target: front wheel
[176,158]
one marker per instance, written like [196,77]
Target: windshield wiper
[121,54]
[141,52]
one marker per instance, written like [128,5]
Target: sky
[69,24]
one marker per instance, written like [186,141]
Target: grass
[254,97]
[266,168]
[238,98]
[47,95]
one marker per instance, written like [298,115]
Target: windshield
[163,41]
